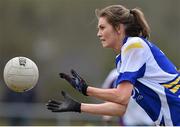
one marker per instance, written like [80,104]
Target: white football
[21,74]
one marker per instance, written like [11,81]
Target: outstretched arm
[107,108]
[71,105]
[120,95]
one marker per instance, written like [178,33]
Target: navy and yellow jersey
[156,80]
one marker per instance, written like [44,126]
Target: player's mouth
[102,40]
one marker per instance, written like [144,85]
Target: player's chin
[105,45]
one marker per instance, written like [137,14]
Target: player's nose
[99,34]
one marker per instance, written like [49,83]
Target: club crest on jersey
[136,94]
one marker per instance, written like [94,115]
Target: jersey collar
[118,59]
[125,40]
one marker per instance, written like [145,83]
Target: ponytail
[141,21]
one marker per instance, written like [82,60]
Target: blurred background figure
[21,106]
[134,116]
[110,82]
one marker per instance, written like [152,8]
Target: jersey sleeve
[133,62]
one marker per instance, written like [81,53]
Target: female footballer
[145,73]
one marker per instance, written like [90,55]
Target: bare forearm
[119,95]
[108,108]
[104,94]
[110,95]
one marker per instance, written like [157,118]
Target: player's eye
[101,27]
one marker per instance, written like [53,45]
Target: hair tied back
[131,11]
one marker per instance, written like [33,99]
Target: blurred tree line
[59,35]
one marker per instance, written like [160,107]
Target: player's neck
[119,44]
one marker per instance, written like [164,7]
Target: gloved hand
[67,105]
[76,81]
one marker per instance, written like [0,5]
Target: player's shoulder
[134,43]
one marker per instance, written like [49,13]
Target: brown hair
[134,20]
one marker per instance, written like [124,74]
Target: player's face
[107,34]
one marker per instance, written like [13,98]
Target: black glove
[76,81]
[67,105]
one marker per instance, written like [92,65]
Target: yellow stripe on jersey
[134,45]
[175,89]
[175,84]
[172,83]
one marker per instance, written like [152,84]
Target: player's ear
[120,28]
